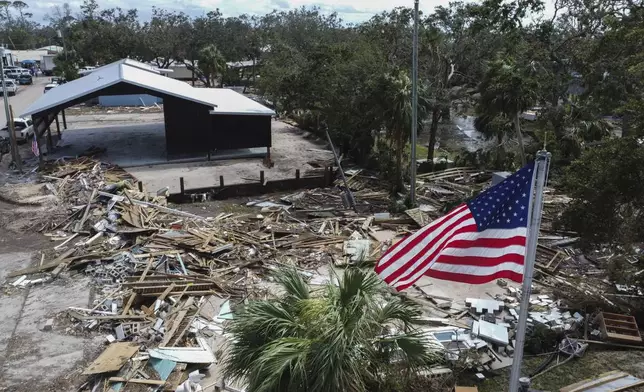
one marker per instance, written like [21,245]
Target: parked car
[50,86]
[11,86]
[25,79]
[58,80]
[23,129]
[12,73]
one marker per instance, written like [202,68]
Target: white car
[50,86]
[23,129]
[11,86]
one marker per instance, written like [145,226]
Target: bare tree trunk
[517,128]
[433,130]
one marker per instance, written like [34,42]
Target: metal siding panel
[186,126]
[239,131]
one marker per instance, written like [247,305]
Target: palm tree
[508,89]
[396,101]
[344,337]
[211,64]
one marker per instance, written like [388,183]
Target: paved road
[26,96]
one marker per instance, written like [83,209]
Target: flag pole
[534,218]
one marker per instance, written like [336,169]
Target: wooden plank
[627,387]
[175,325]
[186,293]
[53,264]
[587,384]
[137,381]
[133,296]
[113,358]
[79,226]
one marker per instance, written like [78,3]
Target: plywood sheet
[113,358]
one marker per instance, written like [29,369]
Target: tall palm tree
[396,101]
[347,337]
[211,64]
[508,89]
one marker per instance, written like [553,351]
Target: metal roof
[232,102]
[223,101]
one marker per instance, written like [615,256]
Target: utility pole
[15,155]
[414,108]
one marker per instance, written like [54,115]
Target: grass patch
[421,152]
[593,363]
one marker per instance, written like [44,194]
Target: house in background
[8,58]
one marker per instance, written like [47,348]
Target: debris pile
[166,280]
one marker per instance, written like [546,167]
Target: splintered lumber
[158,207]
[619,328]
[614,381]
[53,264]
[79,225]
[113,358]
[133,296]
[137,381]
[175,325]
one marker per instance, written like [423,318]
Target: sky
[351,11]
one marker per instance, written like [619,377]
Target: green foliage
[349,337]
[607,187]
[211,64]
[575,67]
[66,65]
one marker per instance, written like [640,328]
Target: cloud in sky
[351,11]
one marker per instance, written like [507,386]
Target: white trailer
[47,64]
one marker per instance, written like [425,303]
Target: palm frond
[279,357]
[293,283]
[266,318]
[398,311]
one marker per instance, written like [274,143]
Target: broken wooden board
[137,381]
[606,382]
[549,259]
[53,264]
[419,216]
[113,358]
[619,328]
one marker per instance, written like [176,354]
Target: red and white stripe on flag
[477,242]
[34,146]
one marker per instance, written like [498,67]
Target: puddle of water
[460,133]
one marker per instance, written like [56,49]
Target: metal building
[197,120]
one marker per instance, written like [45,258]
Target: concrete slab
[493,333]
[484,305]
[34,357]
[137,142]
[460,291]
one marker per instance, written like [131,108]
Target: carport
[197,120]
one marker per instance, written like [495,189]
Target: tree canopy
[579,69]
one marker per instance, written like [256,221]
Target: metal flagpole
[534,210]
[414,108]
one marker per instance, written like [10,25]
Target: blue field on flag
[477,242]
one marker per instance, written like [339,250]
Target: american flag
[34,146]
[477,242]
